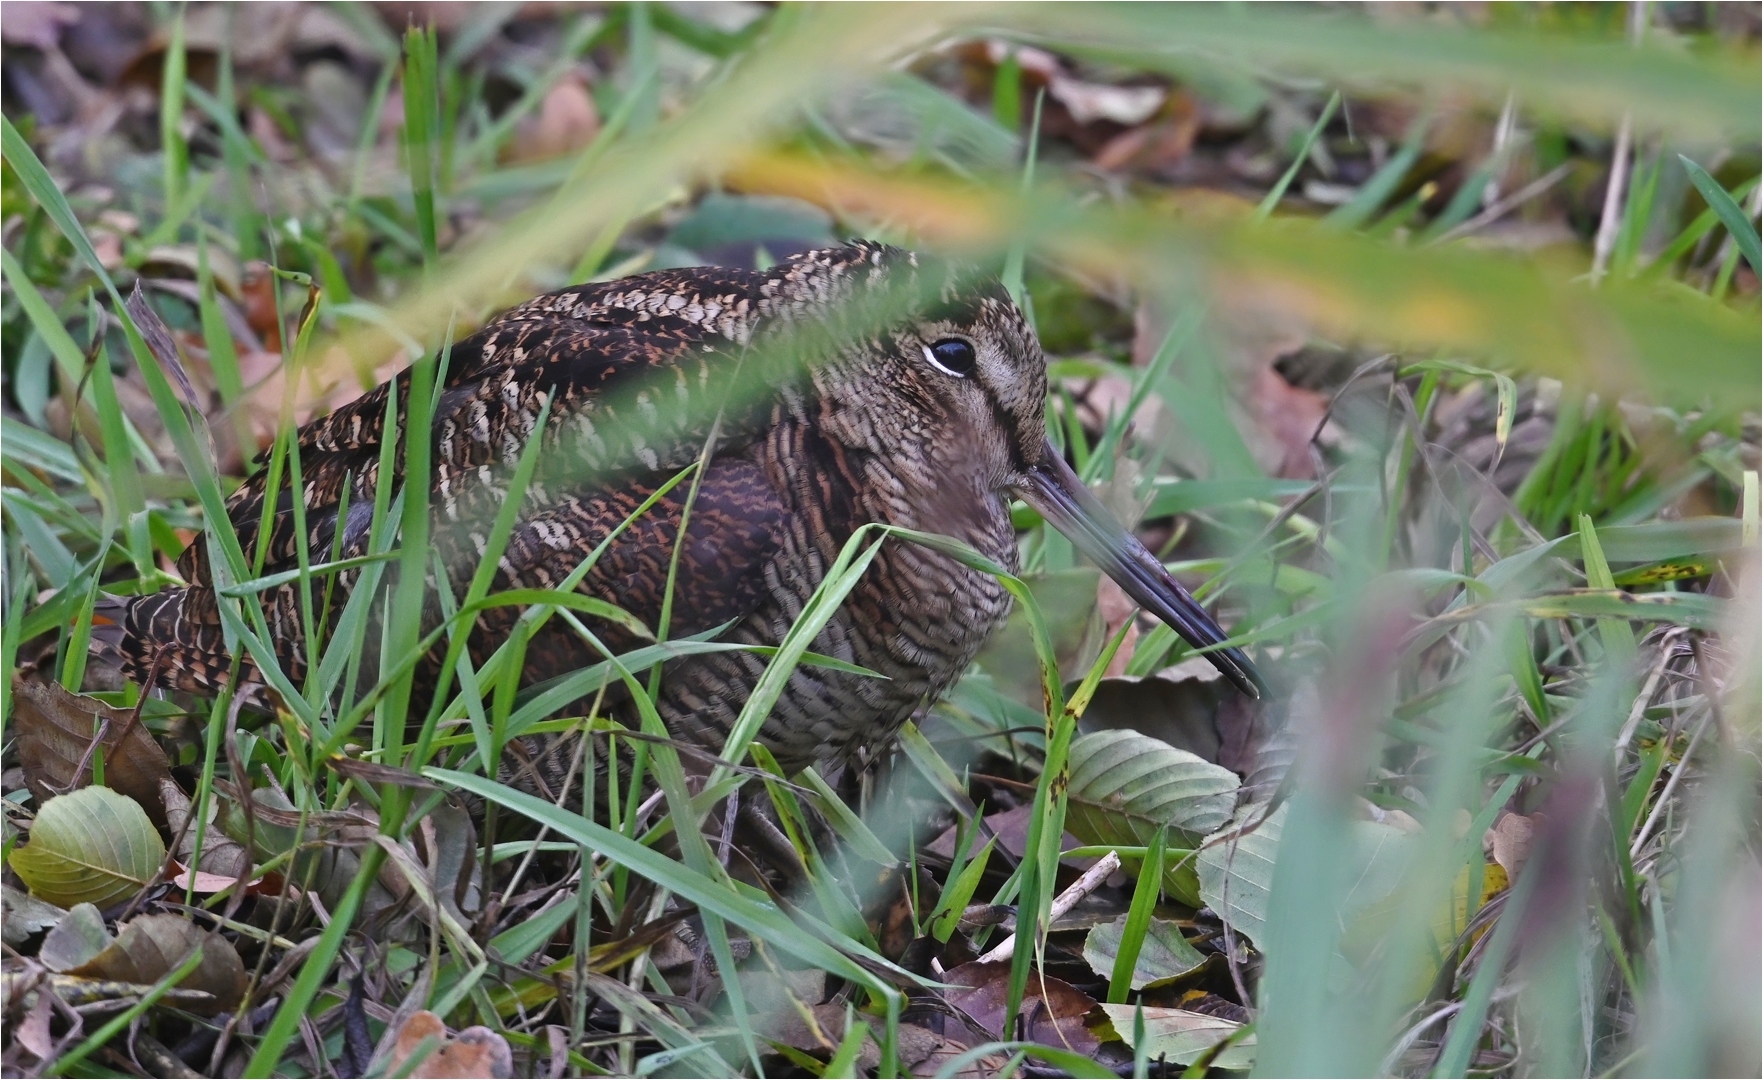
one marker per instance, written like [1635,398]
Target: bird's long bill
[1055,490]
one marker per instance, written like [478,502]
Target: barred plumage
[829,410]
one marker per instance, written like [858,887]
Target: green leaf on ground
[1165,954]
[91,846]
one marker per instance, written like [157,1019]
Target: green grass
[1578,648]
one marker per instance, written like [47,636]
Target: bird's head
[948,385]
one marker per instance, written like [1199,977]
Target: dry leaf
[257,285]
[1011,828]
[1053,1011]
[1117,610]
[565,122]
[1508,842]
[34,1034]
[221,855]
[1087,102]
[22,915]
[1157,147]
[203,882]
[1287,418]
[54,730]
[925,1053]
[37,25]
[922,1051]
[474,1052]
[75,941]
[150,946]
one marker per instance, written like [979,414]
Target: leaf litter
[570,962]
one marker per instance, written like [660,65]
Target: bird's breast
[917,616]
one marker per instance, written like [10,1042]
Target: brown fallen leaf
[1053,1011]
[1010,827]
[566,121]
[822,1028]
[151,945]
[1287,418]
[221,856]
[1159,146]
[257,286]
[37,25]
[1508,842]
[1118,610]
[54,729]
[22,915]
[205,883]
[925,1053]
[34,1034]
[424,1052]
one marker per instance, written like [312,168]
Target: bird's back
[635,375]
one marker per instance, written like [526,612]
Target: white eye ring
[959,373]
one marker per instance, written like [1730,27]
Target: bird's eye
[952,356]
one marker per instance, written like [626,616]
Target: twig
[1683,765]
[1063,903]
[1640,703]
[1505,206]
[1611,221]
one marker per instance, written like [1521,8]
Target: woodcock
[845,386]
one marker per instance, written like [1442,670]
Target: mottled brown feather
[637,373]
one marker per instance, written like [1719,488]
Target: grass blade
[1736,220]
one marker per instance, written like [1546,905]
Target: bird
[839,388]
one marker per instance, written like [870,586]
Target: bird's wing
[569,348]
[735,529]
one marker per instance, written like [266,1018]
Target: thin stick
[1613,192]
[1639,710]
[1611,221]
[1505,206]
[1683,765]
[1064,902]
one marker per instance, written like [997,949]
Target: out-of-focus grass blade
[1594,79]
[1752,513]
[27,446]
[1278,191]
[1616,634]
[222,116]
[70,361]
[171,113]
[1466,1027]
[421,124]
[223,354]
[588,30]
[845,821]
[1505,390]
[1383,183]
[1692,233]
[1507,309]
[1652,542]
[1737,222]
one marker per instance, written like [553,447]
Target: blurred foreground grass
[1447,390]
